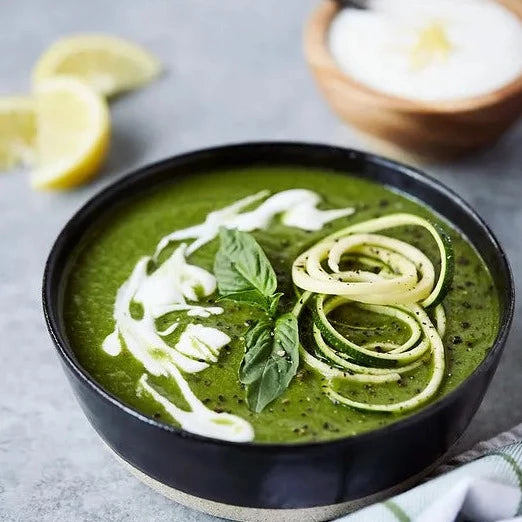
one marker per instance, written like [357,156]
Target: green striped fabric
[485,490]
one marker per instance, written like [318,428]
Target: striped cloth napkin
[481,485]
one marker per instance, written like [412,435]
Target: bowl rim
[79,222]
[317,51]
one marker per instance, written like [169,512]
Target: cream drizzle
[197,347]
[200,420]
[175,281]
[298,208]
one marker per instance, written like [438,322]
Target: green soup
[110,251]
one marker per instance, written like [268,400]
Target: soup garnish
[395,279]
[244,274]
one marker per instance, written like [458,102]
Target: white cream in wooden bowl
[429,50]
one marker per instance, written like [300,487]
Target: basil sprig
[244,274]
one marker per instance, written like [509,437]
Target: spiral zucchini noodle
[393,279]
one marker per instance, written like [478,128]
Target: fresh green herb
[244,274]
[270,361]
[243,271]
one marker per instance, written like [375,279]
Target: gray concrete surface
[235,72]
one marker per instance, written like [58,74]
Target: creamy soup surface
[159,310]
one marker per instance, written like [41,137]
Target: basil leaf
[271,360]
[243,271]
[253,297]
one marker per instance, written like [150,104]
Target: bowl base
[250,514]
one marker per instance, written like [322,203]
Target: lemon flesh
[108,64]
[17,131]
[73,125]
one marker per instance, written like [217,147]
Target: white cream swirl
[168,288]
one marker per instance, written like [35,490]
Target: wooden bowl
[427,129]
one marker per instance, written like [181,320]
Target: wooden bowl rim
[317,51]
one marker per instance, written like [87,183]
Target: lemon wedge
[72,140]
[17,131]
[108,64]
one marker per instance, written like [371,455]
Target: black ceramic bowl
[249,481]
